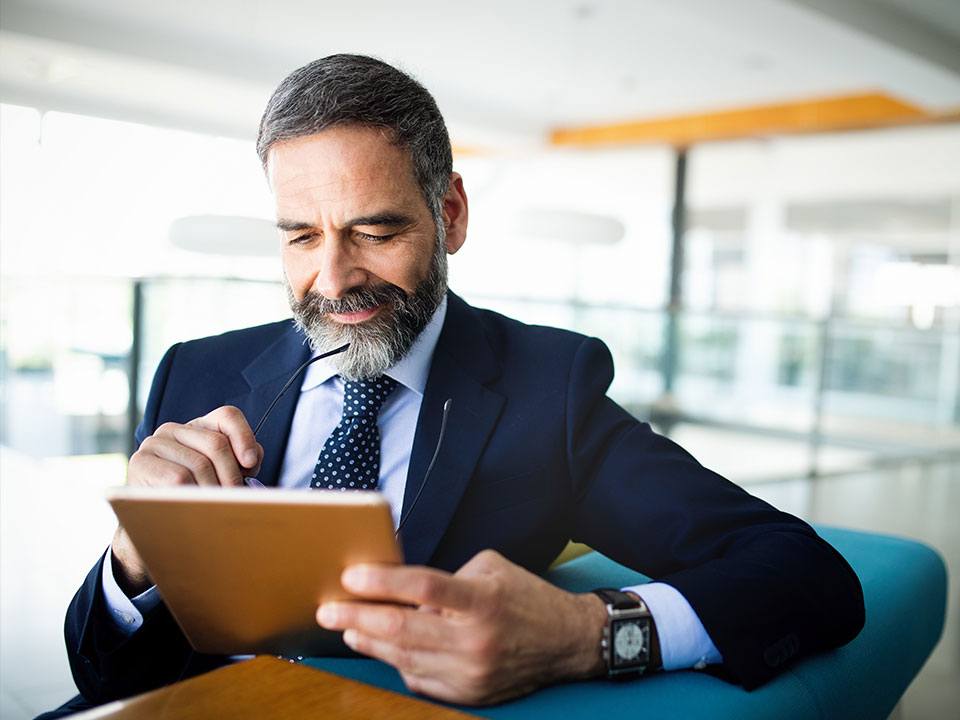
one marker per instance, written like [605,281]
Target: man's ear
[454,207]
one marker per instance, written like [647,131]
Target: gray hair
[361,90]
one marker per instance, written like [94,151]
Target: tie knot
[365,397]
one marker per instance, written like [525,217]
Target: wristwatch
[629,636]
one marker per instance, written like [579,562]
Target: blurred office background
[755,203]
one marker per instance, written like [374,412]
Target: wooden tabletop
[266,687]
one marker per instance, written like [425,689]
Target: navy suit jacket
[535,454]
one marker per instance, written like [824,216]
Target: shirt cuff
[684,642]
[127,613]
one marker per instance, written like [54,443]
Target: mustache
[357,300]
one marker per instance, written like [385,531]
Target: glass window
[824,276]
[85,208]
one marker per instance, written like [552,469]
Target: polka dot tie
[350,459]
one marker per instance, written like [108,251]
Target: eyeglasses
[254,483]
[335,351]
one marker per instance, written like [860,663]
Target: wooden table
[266,687]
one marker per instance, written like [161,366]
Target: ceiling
[505,72]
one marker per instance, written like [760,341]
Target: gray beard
[378,343]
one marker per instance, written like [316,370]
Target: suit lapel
[266,375]
[463,363]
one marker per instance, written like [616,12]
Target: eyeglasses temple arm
[436,453]
[290,382]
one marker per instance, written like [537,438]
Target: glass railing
[73,381]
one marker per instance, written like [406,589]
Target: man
[358,159]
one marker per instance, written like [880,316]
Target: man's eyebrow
[383,218]
[292,225]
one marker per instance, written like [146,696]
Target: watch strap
[619,600]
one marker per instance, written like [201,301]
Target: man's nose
[338,270]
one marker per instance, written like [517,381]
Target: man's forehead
[342,144]
[357,169]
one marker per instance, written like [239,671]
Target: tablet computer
[243,571]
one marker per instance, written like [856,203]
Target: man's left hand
[487,633]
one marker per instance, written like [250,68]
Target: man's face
[363,259]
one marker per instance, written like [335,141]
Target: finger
[401,625]
[485,563]
[451,689]
[408,660]
[410,584]
[232,423]
[162,460]
[434,687]
[441,672]
[213,445]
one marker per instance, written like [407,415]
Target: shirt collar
[411,370]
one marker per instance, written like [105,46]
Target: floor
[54,523]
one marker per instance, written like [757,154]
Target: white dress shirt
[684,642]
[320,406]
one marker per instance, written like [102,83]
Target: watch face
[630,642]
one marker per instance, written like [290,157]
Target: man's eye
[302,239]
[374,238]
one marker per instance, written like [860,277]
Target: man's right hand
[216,449]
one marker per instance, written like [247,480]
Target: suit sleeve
[106,665]
[765,586]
